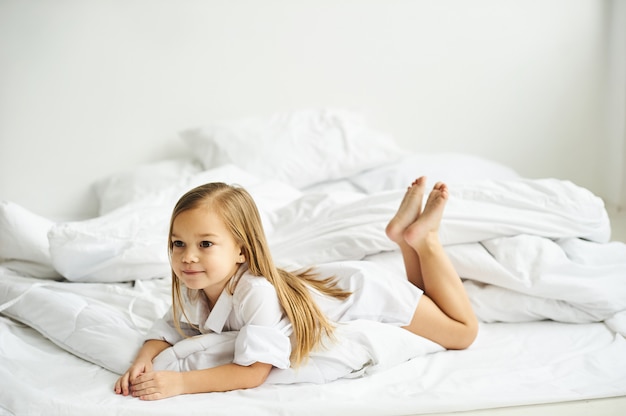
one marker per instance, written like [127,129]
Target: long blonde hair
[240,215]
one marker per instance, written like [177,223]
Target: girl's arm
[161,384]
[142,364]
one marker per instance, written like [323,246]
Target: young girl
[224,279]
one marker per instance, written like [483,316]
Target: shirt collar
[224,305]
[220,312]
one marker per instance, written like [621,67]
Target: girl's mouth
[191,272]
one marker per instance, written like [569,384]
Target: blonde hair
[240,215]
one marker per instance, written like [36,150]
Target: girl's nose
[189,257]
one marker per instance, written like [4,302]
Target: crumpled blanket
[526,249]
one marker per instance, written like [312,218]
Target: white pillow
[24,243]
[446,167]
[133,184]
[99,324]
[299,148]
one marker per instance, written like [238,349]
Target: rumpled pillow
[134,184]
[24,244]
[299,148]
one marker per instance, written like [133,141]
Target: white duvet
[528,250]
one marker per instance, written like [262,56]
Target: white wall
[614,148]
[91,87]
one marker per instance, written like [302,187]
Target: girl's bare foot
[426,227]
[409,210]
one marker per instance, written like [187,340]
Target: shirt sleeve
[264,336]
[163,330]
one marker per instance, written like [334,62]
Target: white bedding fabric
[300,148]
[528,250]
[536,362]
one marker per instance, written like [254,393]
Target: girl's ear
[242,257]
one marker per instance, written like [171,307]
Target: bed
[536,257]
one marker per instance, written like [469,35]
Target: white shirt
[263,327]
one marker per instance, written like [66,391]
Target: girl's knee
[466,337]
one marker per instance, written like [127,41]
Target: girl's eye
[206,244]
[178,243]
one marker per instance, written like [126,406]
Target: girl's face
[204,253]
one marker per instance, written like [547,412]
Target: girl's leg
[409,211]
[444,314]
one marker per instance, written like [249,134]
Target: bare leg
[444,314]
[409,211]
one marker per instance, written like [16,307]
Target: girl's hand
[122,385]
[142,364]
[155,385]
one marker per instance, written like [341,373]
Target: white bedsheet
[529,363]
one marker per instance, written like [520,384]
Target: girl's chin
[194,283]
